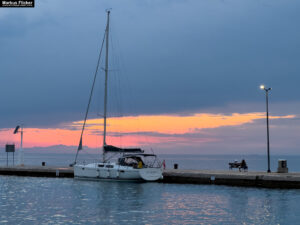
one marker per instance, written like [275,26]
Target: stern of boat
[151,174]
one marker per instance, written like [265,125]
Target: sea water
[30,200]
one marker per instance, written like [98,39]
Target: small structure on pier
[282,166]
[10,148]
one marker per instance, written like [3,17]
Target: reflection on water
[26,200]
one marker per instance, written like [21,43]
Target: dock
[37,171]
[208,177]
[233,178]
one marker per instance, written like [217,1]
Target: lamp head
[16,129]
[262,87]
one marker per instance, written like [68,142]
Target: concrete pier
[37,171]
[233,178]
[229,177]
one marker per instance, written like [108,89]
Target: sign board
[10,148]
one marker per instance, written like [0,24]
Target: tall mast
[105,89]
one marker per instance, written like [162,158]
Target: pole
[20,155]
[105,89]
[268,137]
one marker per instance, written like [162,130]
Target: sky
[184,74]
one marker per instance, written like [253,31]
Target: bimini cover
[110,148]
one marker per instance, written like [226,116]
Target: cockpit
[139,160]
[132,161]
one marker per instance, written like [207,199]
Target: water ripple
[26,200]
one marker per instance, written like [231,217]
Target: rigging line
[117,85]
[90,98]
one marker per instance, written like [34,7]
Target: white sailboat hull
[116,172]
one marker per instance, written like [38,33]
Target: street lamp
[262,87]
[20,155]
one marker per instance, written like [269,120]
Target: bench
[238,165]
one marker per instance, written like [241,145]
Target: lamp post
[20,155]
[262,87]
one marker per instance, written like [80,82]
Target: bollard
[175,166]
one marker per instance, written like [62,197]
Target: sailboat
[131,163]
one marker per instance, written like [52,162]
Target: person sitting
[140,164]
[243,165]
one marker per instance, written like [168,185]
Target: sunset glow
[174,124]
[133,131]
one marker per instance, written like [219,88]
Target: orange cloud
[129,127]
[173,124]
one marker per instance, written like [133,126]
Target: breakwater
[37,171]
[232,178]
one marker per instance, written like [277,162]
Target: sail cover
[110,148]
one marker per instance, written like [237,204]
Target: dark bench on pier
[239,165]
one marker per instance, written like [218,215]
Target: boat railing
[89,161]
[156,163]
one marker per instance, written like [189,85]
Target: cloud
[175,124]
[194,133]
[176,56]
